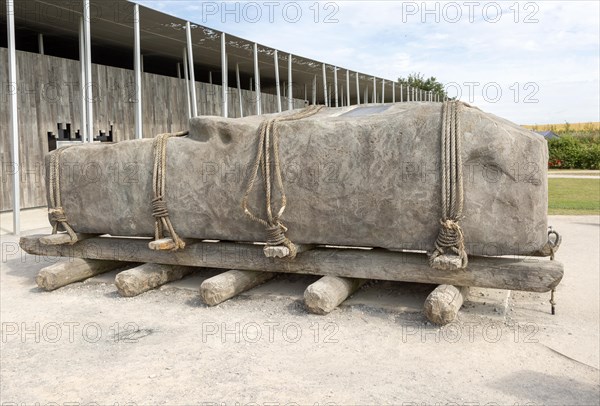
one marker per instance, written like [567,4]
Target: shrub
[574,152]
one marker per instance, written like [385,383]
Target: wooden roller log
[145,277]
[513,273]
[442,305]
[224,286]
[329,292]
[76,270]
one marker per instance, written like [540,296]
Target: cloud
[550,46]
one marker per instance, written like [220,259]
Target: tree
[417,80]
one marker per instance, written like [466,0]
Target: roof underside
[164,36]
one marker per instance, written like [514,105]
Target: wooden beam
[329,292]
[514,273]
[442,305]
[76,270]
[145,277]
[224,286]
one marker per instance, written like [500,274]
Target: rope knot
[57,215]
[276,237]
[159,208]
[450,236]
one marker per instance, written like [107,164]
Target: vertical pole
[305,94]
[382,91]
[137,71]
[190,54]
[407,93]
[257,81]
[224,81]
[290,92]
[84,133]
[335,84]
[401,95]
[14,116]
[239,88]
[357,90]
[347,87]
[374,90]
[187,83]
[88,71]
[41,43]
[393,92]
[277,88]
[210,77]
[325,85]
[178,70]
[314,90]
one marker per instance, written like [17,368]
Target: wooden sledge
[346,267]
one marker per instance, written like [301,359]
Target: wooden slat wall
[48,93]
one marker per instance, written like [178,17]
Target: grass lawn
[573,196]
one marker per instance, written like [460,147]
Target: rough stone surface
[357,180]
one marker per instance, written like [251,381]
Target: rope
[269,135]
[450,237]
[162,221]
[56,211]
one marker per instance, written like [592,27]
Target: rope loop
[56,212]
[162,221]
[450,239]
[268,149]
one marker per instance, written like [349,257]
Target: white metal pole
[325,85]
[401,95]
[314,90]
[178,70]
[137,71]
[335,84]
[239,88]
[224,81]
[393,92]
[374,90]
[382,91]
[305,93]
[290,93]
[347,87]
[257,81]
[41,43]
[14,115]
[84,133]
[357,89]
[277,85]
[187,83]
[190,54]
[88,71]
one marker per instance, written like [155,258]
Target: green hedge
[574,152]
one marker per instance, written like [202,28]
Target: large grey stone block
[355,176]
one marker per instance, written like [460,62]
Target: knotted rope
[56,211]
[450,237]
[269,135]
[162,221]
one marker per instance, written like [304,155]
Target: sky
[532,62]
